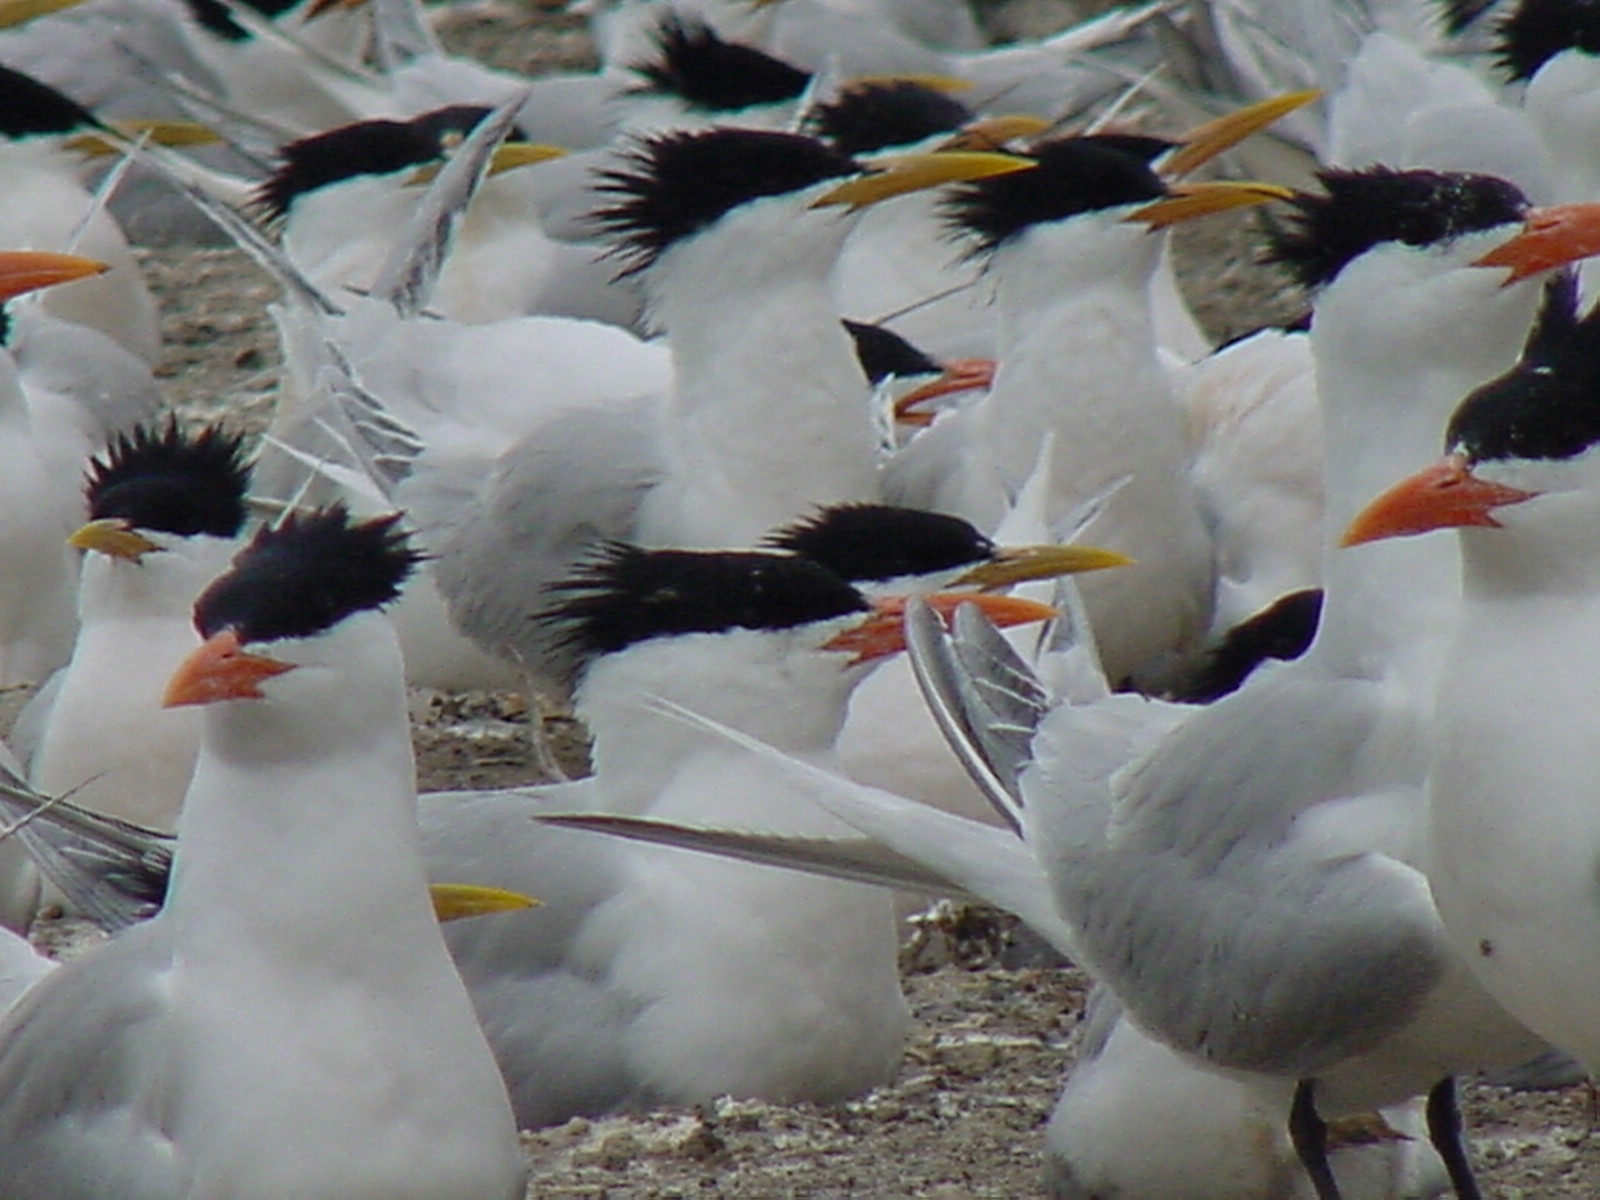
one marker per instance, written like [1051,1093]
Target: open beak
[1550,237]
[959,375]
[996,133]
[899,174]
[1204,142]
[114,537]
[883,631]
[219,669]
[23,271]
[1446,495]
[1021,564]
[455,901]
[1186,201]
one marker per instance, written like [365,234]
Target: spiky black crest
[626,595]
[165,479]
[1362,209]
[883,352]
[363,148]
[1548,405]
[894,112]
[306,575]
[214,16]
[709,74]
[1538,30]
[677,184]
[30,107]
[868,542]
[1073,175]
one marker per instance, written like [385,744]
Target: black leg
[1309,1133]
[1444,1131]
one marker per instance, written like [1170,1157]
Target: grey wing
[553,1023]
[1238,886]
[110,870]
[87,1081]
[575,482]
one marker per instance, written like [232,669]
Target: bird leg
[1444,1131]
[1309,1133]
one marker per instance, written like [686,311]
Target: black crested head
[1074,175]
[894,112]
[1548,405]
[869,542]
[677,184]
[1362,209]
[883,352]
[693,63]
[214,16]
[626,595]
[305,575]
[30,107]
[1538,30]
[363,148]
[175,482]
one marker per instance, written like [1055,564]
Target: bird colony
[803,399]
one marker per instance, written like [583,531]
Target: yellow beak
[899,174]
[114,537]
[1204,142]
[1019,564]
[455,901]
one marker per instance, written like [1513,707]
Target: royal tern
[310,1039]
[341,195]
[65,390]
[1190,854]
[732,233]
[645,977]
[47,207]
[1511,840]
[1068,246]
[165,511]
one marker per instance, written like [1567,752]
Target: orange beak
[219,669]
[1550,237]
[883,632]
[1444,496]
[959,375]
[23,271]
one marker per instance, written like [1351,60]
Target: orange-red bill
[1551,237]
[219,669]
[959,375]
[883,632]
[1445,495]
[23,271]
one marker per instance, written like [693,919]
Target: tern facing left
[290,1023]
[1513,826]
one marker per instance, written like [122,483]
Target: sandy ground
[991,1043]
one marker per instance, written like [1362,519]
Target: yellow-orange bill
[219,669]
[1446,495]
[898,174]
[457,901]
[113,537]
[23,271]
[1187,201]
[1022,564]
[883,631]
[1550,237]
[1204,142]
